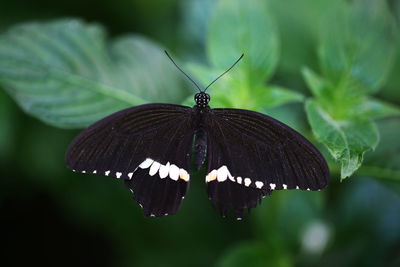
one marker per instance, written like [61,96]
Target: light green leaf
[356,51]
[273,96]
[346,140]
[244,26]
[188,101]
[65,73]
[314,82]
[205,75]
[377,109]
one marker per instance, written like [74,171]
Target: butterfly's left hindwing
[251,154]
[148,146]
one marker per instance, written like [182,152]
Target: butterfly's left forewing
[148,146]
[251,154]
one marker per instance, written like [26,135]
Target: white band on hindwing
[171,170]
[223,174]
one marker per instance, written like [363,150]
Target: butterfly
[247,154]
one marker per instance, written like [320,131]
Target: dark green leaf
[252,254]
[385,161]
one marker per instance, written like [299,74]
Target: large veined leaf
[244,26]
[356,52]
[66,73]
[346,140]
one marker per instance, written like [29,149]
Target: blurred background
[52,216]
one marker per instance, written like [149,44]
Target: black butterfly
[151,146]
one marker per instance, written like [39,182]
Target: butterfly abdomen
[200,148]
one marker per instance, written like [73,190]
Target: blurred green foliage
[327,68]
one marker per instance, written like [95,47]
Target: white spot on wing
[107,173]
[247,182]
[94,171]
[259,184]
[297,187]
[174,172]
[272,186]
[145,164]
[211,176]
[284,186]
[119,174]
[83,171]
[130,175]
[163,171]
[154,168]
[239,180]
[231,177]
[222,174]
[183,175]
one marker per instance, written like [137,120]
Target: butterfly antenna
[182,70]
[225,72]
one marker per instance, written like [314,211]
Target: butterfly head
[202,99]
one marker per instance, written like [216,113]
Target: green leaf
[67,75]
[356,51]
[244,26]
[347,140]
[385,161]
[273,96]
[377,109]
[299,24]
[314,82]
[146,71]
[204,75]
